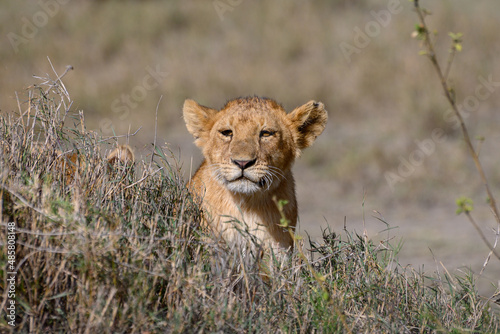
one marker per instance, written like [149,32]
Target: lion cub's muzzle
[245,176]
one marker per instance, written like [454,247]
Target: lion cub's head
[251,143]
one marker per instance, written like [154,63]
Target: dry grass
[123,253]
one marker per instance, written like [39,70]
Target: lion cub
[249,148]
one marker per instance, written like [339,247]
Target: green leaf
[284,223]
[419,32]
[457,41]
[456,37]
[464,204]
[60,295]
[480,138]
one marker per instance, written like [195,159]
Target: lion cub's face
[251,143]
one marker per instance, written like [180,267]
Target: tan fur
[74,161]
[249,148]
[122,154]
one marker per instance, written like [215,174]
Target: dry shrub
[119,249]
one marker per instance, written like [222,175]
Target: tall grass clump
[120,249]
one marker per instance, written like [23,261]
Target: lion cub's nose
[243,164]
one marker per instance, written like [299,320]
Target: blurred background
[390,152]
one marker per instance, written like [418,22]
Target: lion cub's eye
[266,133]
[227,133]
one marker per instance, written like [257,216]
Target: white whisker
[278,171]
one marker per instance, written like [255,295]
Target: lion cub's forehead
[253,102]
[258,110]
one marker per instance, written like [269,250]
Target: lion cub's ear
[199,120]
[308,122]
[123,154]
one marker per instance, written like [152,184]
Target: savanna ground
[382,100]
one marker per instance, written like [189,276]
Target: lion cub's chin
[243,186]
